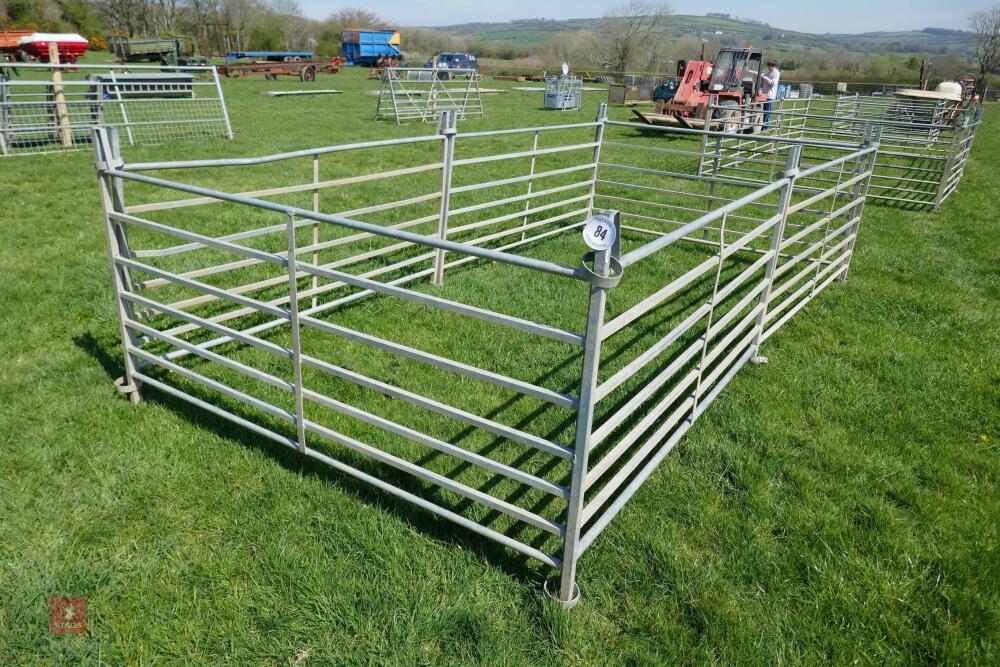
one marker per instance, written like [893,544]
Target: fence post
[4,140]
[59,97]
[106,156]
[446,128]
[569,592]
[791,172]
[873,136]
[602,117]
[222,102]
[315,227]
[293,311]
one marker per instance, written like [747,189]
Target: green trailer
[166,49]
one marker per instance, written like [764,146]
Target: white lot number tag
[599,232]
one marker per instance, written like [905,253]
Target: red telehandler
[734,79]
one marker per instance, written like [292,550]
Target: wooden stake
[62,114]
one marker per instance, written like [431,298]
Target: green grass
[837,505]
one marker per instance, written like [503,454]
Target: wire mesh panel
[534,382]
[49,108]
[923,143]
[424,93]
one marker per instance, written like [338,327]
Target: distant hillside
[727,31]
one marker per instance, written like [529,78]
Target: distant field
[534,32]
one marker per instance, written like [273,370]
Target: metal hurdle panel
[46,108]
[924,144]
[424,93]
[532,393]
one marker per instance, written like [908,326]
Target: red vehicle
[28,45]
[734,79]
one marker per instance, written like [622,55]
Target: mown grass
[839,504]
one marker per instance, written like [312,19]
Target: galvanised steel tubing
[726,135]
[648,249]
[336,371]
[643,474]
[519,179]
[277,157]
[376,272]
[358,474]
[296,388]
[524,262]
[109,66]
[569,592]
[525,130]
[523,154]
[448,128]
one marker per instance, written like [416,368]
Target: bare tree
[986,24]
[630,30]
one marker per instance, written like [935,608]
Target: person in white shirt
[769,86]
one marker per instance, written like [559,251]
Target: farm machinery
[272,64]
[731,85]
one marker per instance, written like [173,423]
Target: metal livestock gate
[530,394]
[46,108]
[924,145]
[424,93]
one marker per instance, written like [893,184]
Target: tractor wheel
[756,124]
[308,74]
[728,115]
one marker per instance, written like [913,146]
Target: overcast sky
[850,16]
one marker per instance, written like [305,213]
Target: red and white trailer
[29,45]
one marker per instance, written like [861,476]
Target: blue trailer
[365,47]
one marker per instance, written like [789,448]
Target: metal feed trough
[564,92]
[923,150]
[436,326]
[424,93]
[54,107]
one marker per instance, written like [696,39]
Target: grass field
[839,504]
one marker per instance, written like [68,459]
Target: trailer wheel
[296,59]
[308,74]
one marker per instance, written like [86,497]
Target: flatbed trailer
[272,56]
[306,70]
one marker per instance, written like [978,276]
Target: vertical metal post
[531,182]
[710,318]
[121,107]
[946,172]
[107,157]
[704,137]
[222,103]
[602,117]
[446,128]
[4,93]
[315,227]
[293,311]
[777,235]
[873,136]
[569,592]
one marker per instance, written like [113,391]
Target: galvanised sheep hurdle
[923,145]
[529,395]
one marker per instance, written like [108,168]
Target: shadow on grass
[520,567]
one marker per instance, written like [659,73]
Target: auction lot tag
[599,232]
